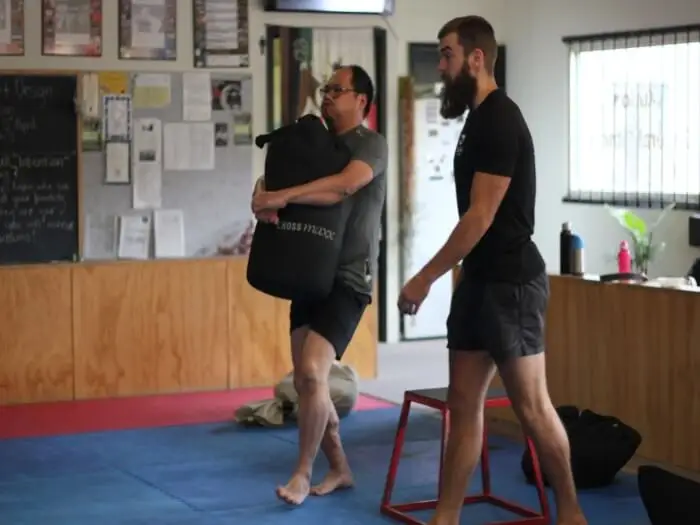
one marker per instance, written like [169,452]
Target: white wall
[415,20]
[537,73]
[537,79]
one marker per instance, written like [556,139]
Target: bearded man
[496,319]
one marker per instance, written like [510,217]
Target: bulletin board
[215,203]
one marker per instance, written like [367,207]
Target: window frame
[636,199]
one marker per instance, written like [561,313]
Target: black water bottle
[565,238]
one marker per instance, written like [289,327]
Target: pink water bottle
[624,259]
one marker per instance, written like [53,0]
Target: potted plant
[644,247]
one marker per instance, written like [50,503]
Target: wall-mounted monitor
[347,7]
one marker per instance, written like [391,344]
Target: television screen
[355,7]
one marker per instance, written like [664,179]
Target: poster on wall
[226,95]
[148,29]
[72,28]
[11,27]
[221,33]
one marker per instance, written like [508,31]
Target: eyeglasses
[335,90]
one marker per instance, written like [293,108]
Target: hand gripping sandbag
[298,257]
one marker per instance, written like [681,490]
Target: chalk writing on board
[38,169]
[15,127]
[22,90]
[29,206]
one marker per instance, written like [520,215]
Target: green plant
[645,248]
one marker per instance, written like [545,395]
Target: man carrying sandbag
[321,330]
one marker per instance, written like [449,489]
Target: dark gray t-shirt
[360,251]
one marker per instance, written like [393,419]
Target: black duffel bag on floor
[600,447]
[298,257]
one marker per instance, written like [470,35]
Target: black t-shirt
[497,141]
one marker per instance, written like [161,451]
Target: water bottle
[624,258]
[565,249]
[577,255]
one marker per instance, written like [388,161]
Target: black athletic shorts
[504,319]
[335,317]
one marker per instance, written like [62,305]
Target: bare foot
[296,490]
[334,480]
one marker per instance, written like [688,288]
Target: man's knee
[464,401]
[532,413]
[333,421]
[309,377]
[312,369]
[526,383]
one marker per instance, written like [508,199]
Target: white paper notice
[147,24]
[6,29]
[117,124]
[169,228]
[134,236]
[117,163]
[152,90]
[101,237]
[72,26]
[189,147]
[148,137]
[202,139]
[196,96]
[176,147]
[148,185]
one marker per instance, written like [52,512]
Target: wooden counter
[111,329]
[632,352]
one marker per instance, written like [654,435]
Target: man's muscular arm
[325,198]
[496,156]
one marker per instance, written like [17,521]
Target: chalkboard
[38,169]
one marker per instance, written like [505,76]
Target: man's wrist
[288,194]
[429,274]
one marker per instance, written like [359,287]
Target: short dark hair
[362,85]
[474,32]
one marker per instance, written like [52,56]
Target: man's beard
[457,95]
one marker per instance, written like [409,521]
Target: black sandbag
[600,447]
[298,257]
[668,498]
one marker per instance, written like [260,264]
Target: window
[634,121]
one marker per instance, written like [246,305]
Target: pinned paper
[113,82]
[152,90]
